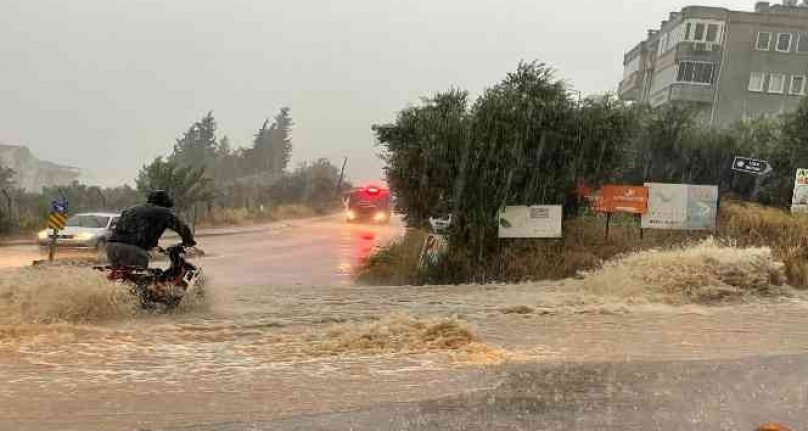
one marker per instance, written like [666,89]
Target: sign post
[621,199]
[758,168]
[56,222]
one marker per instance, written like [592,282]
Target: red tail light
[373,190]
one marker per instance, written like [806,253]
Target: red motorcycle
[158,287]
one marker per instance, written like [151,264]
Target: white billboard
[800,188]
[681,207]
[538,221]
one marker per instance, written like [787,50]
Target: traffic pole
[52,246]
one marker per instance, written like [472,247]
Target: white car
[85,230]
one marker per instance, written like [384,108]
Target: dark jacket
[143,225]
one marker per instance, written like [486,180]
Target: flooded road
[284,340]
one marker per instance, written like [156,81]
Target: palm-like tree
[188,185]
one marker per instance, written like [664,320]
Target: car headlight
[42,234]
[380,216]
[84,236]
[350,214]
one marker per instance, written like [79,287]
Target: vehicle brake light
[373,190]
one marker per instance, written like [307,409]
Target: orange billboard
[622,199]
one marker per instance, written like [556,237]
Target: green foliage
[84,198]
[199,145]
[424,150]
[272,147]
[314,184]
[523,142]
[188,185]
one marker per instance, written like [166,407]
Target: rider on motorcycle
[139,228]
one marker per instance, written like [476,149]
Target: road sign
[622,199]
[751,166]
[59,207]
[57,220]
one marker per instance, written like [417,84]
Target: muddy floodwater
[310,350]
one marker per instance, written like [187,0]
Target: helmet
[160,198]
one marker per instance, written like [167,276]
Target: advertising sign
[800,199]
[540,221]
[702,207]
[622,199]
[681,207]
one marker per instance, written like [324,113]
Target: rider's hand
[189,244]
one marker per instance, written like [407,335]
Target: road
[286,340]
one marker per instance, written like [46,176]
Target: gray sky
[106,85]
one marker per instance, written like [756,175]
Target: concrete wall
[741,58]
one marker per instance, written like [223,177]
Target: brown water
[249,352]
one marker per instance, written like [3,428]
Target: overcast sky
[107,85]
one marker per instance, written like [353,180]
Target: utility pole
[341,174]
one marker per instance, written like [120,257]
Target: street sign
[57,221]
[751,166]
[59,207]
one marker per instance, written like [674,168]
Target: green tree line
[203,172]
[526,141]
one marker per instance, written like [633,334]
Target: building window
[784,42]
[764,41]
[663,44]
[712,33]
[777,83]
[756,81]
[703,31]
[698,34]
[797,85]
[696,72]
[802,43]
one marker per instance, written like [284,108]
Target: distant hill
[31,173]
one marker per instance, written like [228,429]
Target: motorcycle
[157,287]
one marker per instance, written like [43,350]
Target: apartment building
[731,64]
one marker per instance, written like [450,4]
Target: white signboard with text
[681,207]
[799,202]
[539,221]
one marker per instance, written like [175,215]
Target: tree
[281,139]
[198,146]
[188,185]
[272,147]
[314,184]
[425,151]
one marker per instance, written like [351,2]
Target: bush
[585,248]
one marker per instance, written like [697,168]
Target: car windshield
[89,221]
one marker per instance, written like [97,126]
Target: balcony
[630,87]
[698,51]
[698,93]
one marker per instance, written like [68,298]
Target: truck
[369,204]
